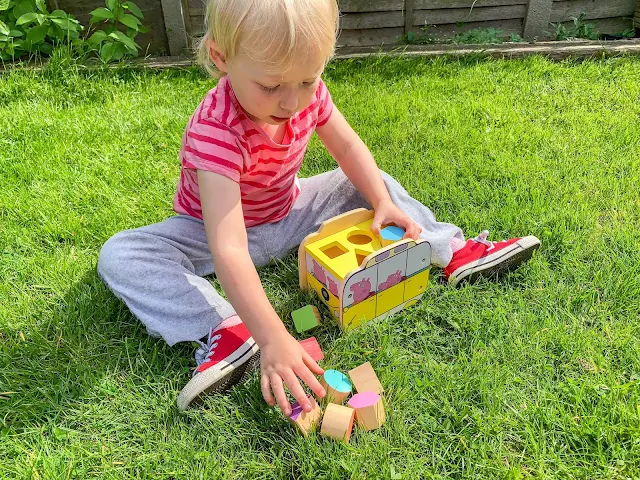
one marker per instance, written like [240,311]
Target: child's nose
[289,101]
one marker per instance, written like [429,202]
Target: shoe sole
[501,262]
[218,380]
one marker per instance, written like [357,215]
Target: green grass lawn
[534,376]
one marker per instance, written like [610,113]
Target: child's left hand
[387,213]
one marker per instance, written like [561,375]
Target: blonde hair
[275,33]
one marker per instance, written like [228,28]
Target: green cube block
[306,318]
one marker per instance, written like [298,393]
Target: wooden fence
[380,22]
[176,24]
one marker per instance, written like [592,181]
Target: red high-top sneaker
[227,358]
[482,258]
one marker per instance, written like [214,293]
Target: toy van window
[400,248]
[382,256]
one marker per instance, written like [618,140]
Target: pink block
[366,399]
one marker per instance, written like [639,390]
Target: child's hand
[387,213]
[283,361]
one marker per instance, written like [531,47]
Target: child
[240,203]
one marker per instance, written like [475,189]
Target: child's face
[273,98]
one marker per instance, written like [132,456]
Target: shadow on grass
[83,344]
[91,354]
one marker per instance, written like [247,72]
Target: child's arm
[282,357]
[356,161]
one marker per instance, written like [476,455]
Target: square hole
[333,250]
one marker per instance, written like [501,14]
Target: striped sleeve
[325,106]
[212,146]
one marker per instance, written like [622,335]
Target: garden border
[554,50]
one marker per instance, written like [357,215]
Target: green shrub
[27,27]
[580,30]
[108,39]
[479,36]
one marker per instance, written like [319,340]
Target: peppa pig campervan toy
[360,275]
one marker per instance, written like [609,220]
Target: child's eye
[309,84]
[269,89]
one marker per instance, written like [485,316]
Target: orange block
[338,422]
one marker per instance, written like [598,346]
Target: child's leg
[156,270]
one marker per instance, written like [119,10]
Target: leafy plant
[27,27]
[421,38]
[475,36]
[479,36]
[628,33]
[108,39]
[580,29]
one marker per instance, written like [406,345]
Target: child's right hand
[283,361]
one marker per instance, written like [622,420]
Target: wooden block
[306,318]
[369,410]
[338,422]
[365,379]
[305,421]
[337,385]
[391,234]
[312,348]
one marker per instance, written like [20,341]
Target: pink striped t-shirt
[221,138]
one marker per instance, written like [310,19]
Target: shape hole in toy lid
[360,237]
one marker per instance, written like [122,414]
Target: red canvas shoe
[227,358]
[482,258]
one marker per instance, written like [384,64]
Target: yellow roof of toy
[344,251]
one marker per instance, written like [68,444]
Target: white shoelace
[482,238]
[206,350]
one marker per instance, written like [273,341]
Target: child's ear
[217,57]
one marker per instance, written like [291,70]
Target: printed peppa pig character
[319,273]
[361,290]
[333,286]
[392,280]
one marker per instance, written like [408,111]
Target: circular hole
[359,238]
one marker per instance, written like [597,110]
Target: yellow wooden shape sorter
[369,410]
[337,422]
[357,277]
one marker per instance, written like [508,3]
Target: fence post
[537,19]
[174,24]
[408,15]
[636,19]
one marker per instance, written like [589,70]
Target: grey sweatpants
[157,270]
